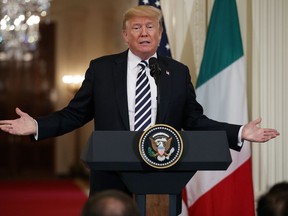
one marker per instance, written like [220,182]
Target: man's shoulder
[170,62]
[108,59]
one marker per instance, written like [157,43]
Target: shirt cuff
[36,134]
[240,141]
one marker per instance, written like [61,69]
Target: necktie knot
[143,64]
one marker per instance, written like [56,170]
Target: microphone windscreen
[152,61]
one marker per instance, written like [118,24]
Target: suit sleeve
[194,119]
[78,112]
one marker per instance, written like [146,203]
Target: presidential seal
[160,146]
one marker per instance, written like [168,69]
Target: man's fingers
[19,112]
[257,121]
[6,128]
[268,135]
[269,132]
[20,126]
[6,123]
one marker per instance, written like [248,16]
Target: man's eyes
[136,27]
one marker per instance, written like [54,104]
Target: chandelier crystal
[19,27]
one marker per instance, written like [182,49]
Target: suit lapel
[120,83]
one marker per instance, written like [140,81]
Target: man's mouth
[145,42]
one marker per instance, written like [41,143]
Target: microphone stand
[156,77]
[155,72]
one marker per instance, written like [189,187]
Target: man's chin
[144,53]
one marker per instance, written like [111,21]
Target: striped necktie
[142,99]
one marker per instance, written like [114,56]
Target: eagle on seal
[161,146]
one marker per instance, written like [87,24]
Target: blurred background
[76,31]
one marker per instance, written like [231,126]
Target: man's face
[142,34]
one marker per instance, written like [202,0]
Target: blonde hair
[143,11]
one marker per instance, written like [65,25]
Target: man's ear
[125,36]
[160,35]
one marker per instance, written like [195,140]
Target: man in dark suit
[107,95]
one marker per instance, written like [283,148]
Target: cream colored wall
[186,23]
[88,29]
[269,89]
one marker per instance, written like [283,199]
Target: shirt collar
[134,60]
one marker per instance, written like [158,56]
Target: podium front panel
[118,151]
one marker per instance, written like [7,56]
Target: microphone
[154,69]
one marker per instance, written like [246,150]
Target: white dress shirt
[132,71]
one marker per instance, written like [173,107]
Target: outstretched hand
[24,125]
[253,133]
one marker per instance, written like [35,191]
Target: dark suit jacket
[103,97]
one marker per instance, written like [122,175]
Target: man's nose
[144,31]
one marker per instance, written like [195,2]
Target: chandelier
[19,27]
